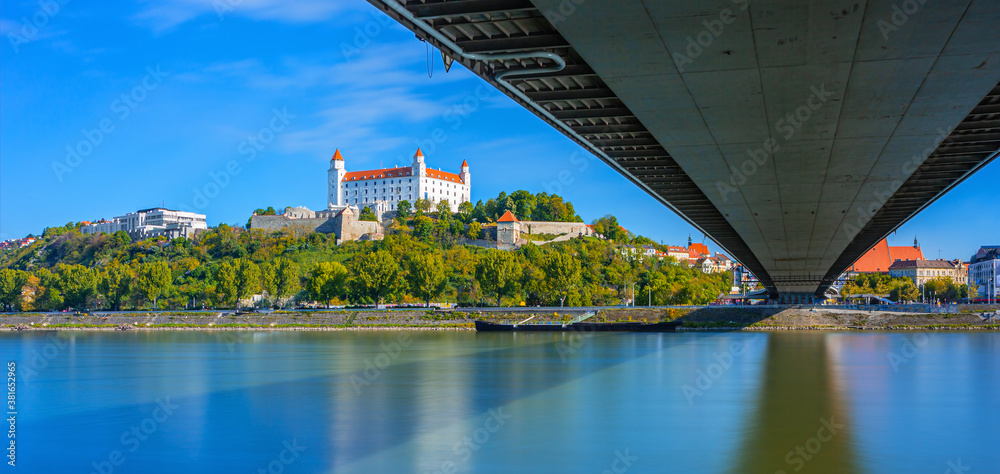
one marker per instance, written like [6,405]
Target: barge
[668,326]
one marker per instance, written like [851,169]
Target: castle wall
[344,228]
[537,227]
[323,225]
[350,228]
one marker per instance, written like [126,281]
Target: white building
[381,190]
[984,271]
[153,222]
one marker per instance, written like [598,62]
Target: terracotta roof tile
[378,174]
[507,217]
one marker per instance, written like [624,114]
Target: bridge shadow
[801,423]
[737,315]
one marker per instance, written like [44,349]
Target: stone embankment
[702,318]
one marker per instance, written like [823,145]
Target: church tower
[335,175]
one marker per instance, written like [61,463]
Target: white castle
[381,190]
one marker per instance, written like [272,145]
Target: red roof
[336,156]
[507,217]
[444,175]
[376,174]
[905,253]
[399,172]
[881,256]
[419,153]
[464,164]
[700,248]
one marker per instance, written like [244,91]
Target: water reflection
[800,423]
[569,404]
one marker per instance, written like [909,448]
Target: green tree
[121,239]
[78,284]
[115,283]
[268,282]
[152,280]
[562,274]
[422,205]
[375,275]
[474,231]
[443,209]
[367,215]
[286,278]
[247,278]
[225,277]
[608,227]
[498,273]
[404,208]
[326,281]
[905,292]
[936,289]
[524,202]
[11,282]
[423,228]
[465,210]
[427,276]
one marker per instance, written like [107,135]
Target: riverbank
[693,319]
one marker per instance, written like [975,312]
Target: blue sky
[108,108]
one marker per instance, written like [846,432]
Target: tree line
[903,290]
[420,261]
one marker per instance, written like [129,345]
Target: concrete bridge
[797,134]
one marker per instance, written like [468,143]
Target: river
[457,401]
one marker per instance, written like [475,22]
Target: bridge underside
[795,134]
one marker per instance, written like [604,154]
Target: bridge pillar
[797,298]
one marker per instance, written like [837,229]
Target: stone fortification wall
[537,227]
[349,228]
[323,225]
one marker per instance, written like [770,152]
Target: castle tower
[419,172]
[335,175]
[419,167]
[466,177]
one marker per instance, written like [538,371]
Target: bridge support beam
[786,297]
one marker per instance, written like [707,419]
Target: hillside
[421,259]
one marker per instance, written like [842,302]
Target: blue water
[188,401]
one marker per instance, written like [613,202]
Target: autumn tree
[474,231]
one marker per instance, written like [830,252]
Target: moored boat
[667,326]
